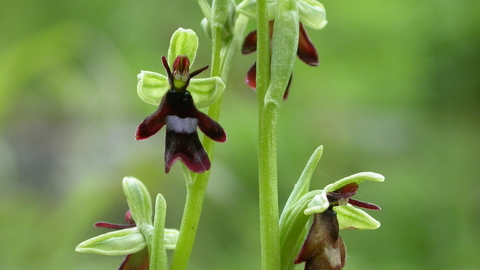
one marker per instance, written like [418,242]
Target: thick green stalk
[267,145]
[197,186]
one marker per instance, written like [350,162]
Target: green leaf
[139,202]
[152,86]
[183,42]
[312,13]
[350,217]
[122,242]
[205,91]
[356,178]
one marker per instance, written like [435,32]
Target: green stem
[267,145]
[197,186]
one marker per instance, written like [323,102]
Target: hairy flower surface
[178,112]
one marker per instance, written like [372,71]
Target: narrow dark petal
[251,79]
[167,68]
[324,248]
[113,226]
[150,125]
[187,148]
[136,261]
[153,123]
[365,205]
[285,95]
[198,71]
[210,128]
[306,50]
[250,43]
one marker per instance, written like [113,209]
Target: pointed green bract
[303,183]
[183,42]
[350,217]
[122,242]
[284,49]
[158,253]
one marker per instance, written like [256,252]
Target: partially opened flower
[333,210]
[306,51]
[310,12]
[142,239]
[134,261]
[178,112]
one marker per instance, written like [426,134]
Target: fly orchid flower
[178,112]
[134,261]
[141,239]
[324,248]
[306,51]
[309,12]
[179,96]
[333,208]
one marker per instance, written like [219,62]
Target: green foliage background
[397,92]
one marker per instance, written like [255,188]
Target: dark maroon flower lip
[177,111]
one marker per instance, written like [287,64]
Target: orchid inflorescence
[180,95]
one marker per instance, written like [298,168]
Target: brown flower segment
[306,51]
[177,111]
[324,248]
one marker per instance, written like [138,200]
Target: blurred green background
[397,92]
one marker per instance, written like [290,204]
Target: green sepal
[205,91]
[139,202]
[312,14]
[318,204]
[183,42]
[122,242]
[355,178]
[152,86]
[350,217]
